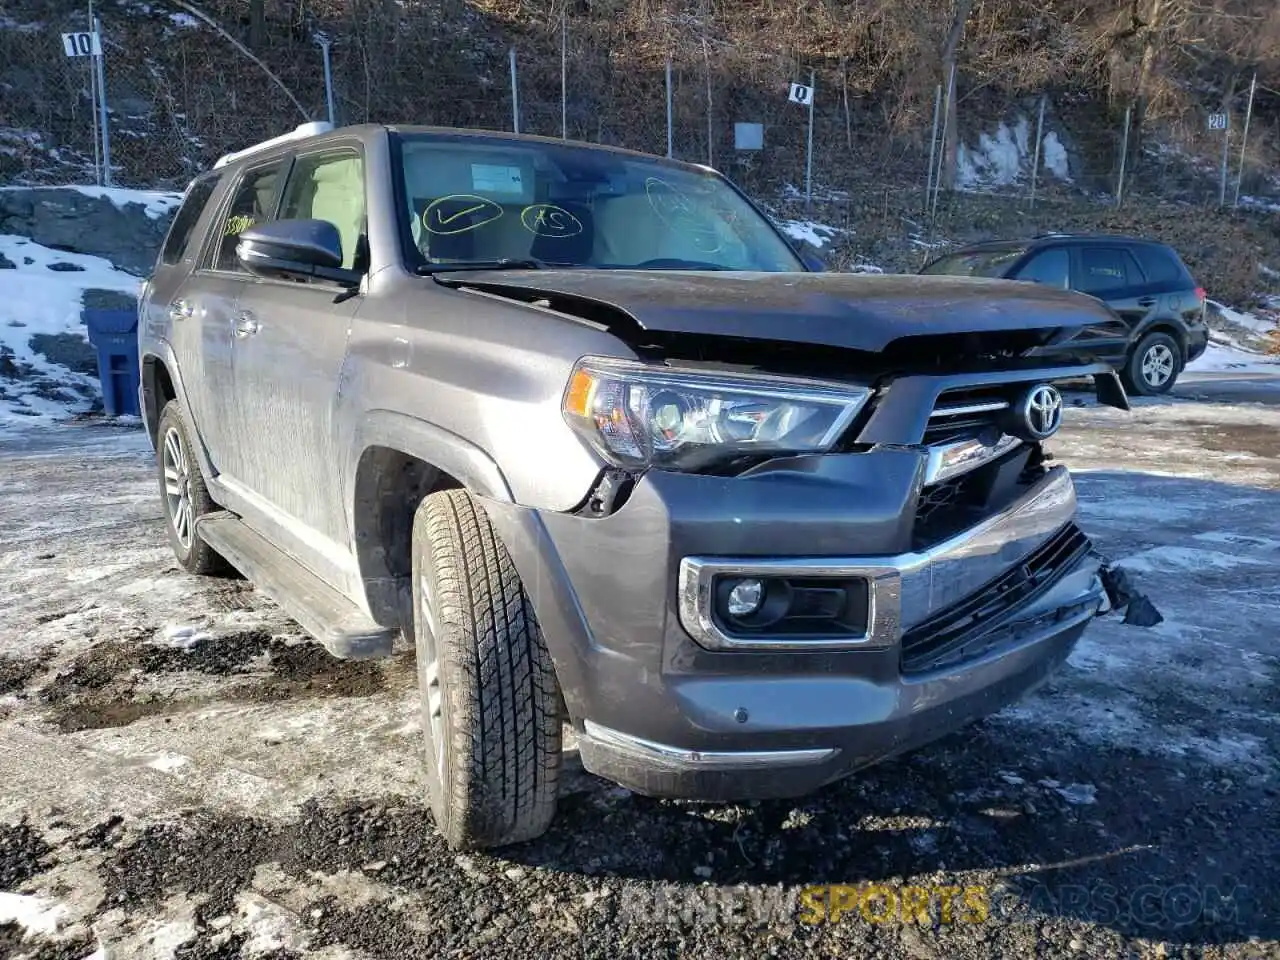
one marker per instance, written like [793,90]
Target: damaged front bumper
[670,700]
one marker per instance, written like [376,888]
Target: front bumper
[665,712]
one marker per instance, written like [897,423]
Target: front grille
[968,413]
[946,508]
[984,621]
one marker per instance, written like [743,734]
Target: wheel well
[1178,336]
[157,390]
[389,487]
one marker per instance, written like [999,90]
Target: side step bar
[345,630]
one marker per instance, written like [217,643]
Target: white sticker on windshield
[491,178]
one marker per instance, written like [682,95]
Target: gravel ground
[185,775]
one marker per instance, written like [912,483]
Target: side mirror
[295,250]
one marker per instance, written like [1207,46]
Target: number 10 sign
[84,44]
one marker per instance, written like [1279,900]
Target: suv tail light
[1200,294]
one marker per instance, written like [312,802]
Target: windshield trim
[412,259]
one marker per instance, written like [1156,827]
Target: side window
[1051,267]
[1105,269]
[254,203]
[330,186]
[1159,264]
[193,204]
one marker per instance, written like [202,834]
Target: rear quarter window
[1161,265]
[184,224]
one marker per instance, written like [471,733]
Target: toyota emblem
[1041,412]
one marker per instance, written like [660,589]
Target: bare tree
[950,55]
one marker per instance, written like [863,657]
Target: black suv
[1161,309]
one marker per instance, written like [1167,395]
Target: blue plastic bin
[114,334]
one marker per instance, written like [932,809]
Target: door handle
[181,310]
[1146,301]
[245,325]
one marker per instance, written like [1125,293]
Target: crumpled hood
[856,311]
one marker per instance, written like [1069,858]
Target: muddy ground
[183,774]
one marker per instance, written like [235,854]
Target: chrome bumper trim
[903,590]
[947,460]
[661,755]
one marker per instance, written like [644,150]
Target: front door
[213,299]
[290,343]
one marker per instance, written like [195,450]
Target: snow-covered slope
[41,296]
[46,365]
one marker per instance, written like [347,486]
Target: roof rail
[303,130]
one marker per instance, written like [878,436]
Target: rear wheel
[1154,365]
[184,494]
[490,702]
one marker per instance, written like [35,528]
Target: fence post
[933,147]
[1035,164]
[515,95]
[706,59]
[942,154]
[808,161]
[102,105]
[564,73]
[93,102]
[1124,156]
[670,130]
[1222,173]
[1244,137]
[328,78]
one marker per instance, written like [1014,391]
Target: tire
[1153,366]
[490,701]
[184,494]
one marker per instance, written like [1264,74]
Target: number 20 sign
[81,44]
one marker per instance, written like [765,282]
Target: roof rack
[300,132]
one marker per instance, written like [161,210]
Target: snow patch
[184,20]
[1171,559]
[182,636]
[1005,158]
[39,917]
[1055,156]
[807,231]
[156,204]
[168,762]
[35,299]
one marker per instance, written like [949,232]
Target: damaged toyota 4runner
[583,428]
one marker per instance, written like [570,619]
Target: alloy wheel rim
[177,487]
[1157,365]
[432,690]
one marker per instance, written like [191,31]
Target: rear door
[289,349]
[216,288]
[1111,273]
[166,310]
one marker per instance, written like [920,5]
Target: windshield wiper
[527,263]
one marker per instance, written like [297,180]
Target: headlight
[636,414]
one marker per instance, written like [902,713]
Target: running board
[345,630]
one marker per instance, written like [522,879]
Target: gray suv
[581,426]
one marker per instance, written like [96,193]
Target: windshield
[475,199]
[979,263]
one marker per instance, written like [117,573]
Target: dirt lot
[184,775]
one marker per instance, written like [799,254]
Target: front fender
[458,457]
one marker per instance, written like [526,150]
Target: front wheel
[490,702]
[1154,365]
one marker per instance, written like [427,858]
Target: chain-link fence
[185,83]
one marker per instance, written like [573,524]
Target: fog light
[745,597]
